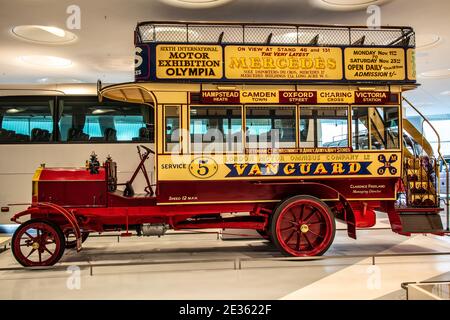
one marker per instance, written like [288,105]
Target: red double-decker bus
[279,128]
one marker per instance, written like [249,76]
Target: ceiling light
[53,30]
[76,90]
[43,34]
[196,4]
[436,74]
[14,110]
[426,41]
[58,80]
[46,61]
[345,5]
[102,111]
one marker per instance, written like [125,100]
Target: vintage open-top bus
[277,128]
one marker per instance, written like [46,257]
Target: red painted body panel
[72,187]
[71,174]
[87,196]
[244,190]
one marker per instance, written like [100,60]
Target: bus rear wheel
[303,226]
[38,243]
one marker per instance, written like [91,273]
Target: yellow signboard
[188,61]
[411,60]
[375,64]
[278,166]
[259,96]
[286,63]
[335,96]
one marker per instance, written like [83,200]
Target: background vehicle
[60,125]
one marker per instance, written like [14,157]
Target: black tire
[318,206]
[72,244]
[60,238]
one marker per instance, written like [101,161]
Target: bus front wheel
[303,226]
[38,243]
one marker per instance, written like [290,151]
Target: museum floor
[203,266]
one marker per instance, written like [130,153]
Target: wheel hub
[304,228]
[35,245]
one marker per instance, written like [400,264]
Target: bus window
[216,129]
[360,128]
[26,119]
[172,129]
[85,119]
[378,123]
[384,127]
[323,127]
[270,127]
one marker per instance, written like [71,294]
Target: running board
[413,222]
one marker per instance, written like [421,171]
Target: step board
[420,172]
[416,222]
[420,184]
[422,197]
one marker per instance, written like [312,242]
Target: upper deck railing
[273,34]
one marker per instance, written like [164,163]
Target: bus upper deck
[236,52]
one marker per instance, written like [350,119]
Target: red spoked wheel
[38,243]
[303,226]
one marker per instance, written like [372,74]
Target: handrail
[405,285]
[352,32]
[447,169]
[232,23]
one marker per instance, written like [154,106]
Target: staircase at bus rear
[420,179]
[422,211]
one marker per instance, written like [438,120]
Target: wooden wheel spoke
[302,212]
[45,236]
[29,235]
[309,241]
[316,234]
[290,236]
[287,228]
[46,249]
[40,255]
[310,215]
[299,239]
[293,214]
[31,252]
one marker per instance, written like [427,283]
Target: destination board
[294,97]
